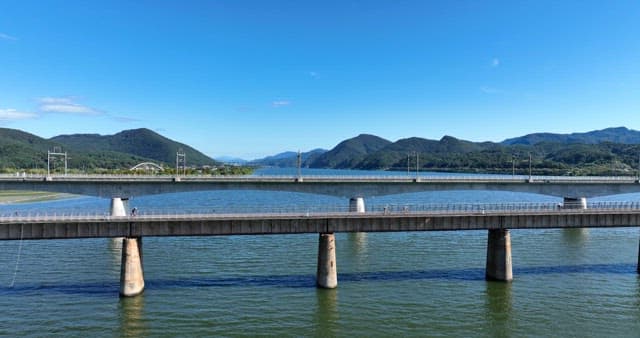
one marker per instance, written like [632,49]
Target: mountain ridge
[20,149]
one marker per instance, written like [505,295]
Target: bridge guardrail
[375,209]
[355,178]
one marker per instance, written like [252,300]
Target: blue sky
[254,78]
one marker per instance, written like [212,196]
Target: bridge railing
[421,177]
[374,209]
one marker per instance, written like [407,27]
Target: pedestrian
[134,211]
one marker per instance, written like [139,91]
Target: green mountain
[289,159]
[454,155]
[350,152]
[615,135]
[21,150]
[142,143]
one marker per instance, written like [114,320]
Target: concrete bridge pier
[638,259]
[499,256]
[119,206]
[327,274]
[574,203]
[356,204]
[131,274]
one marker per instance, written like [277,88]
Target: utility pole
[57,152]
[299,165]
[181,162]
[408,164]
[417,164]
[529,167]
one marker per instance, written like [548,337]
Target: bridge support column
[327,275]
[356,204]
[499,256]
[574,203]
[131,274]
[119,206]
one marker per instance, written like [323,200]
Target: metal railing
[381,178]
[328,210]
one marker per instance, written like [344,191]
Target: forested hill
[349,153]
[615,135]
[142,142]
[552,155]
[21,150]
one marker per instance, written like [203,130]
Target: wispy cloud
[65,105]
[495,62]
[124,119]
[313,74]
[490,90]
[280,103]
[7,115]
[7,37]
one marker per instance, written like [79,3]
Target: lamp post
[513,166]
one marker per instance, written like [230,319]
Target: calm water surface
[567,283]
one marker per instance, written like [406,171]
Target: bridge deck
[341,186]
[67,227]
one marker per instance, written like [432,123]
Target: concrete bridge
[497,220]
[340,186]
[574,189]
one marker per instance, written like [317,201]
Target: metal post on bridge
[299,165]
[181,162]
[57,152]
[529,167]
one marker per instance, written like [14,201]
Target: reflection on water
[575,237]
[499,308]
[115,250]
[132,321]
[357,243]
[326,315]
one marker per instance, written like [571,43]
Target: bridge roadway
[123,186]
[544,215]
[133,228]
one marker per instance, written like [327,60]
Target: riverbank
[17,196]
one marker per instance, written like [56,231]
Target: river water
[567,283]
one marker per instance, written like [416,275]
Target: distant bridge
[147,166]
[341,186]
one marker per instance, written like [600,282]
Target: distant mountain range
[601,152]
[123,150]
[288,159]
[615,135]
[607,151]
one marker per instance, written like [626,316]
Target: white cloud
[13,115]
[490,90]
[495,62]
[65,105]
[280,103]
[125,119]
[7,37]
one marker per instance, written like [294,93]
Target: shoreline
[17,196]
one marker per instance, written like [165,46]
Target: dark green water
[567,283]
